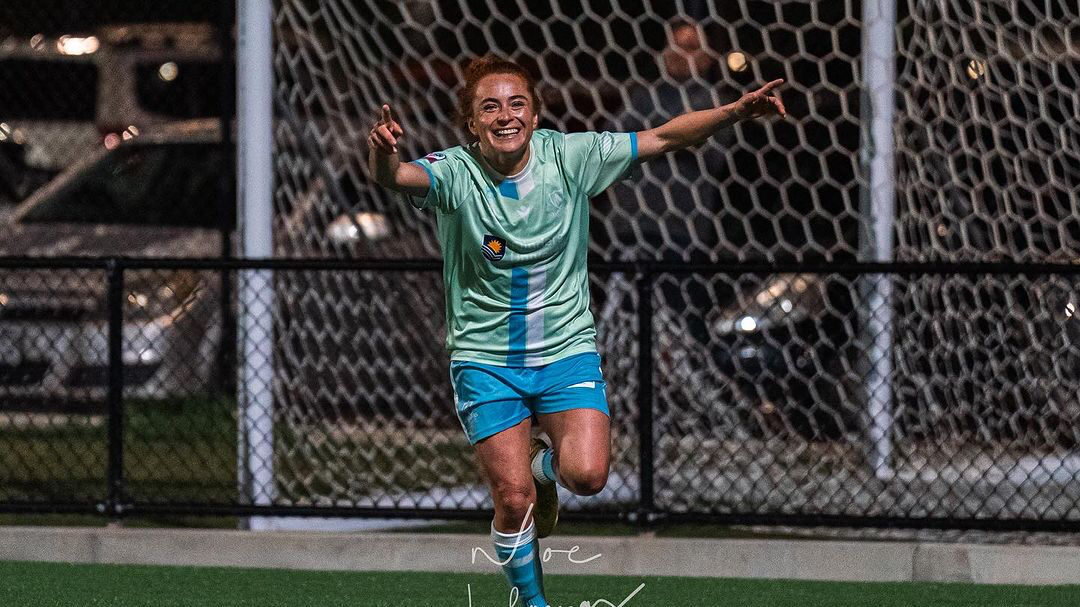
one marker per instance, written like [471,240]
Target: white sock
[542,468]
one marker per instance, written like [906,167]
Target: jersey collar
[498,177]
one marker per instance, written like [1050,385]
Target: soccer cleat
[546,513]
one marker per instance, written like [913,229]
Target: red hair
[485,66]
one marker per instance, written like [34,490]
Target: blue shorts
[490,399]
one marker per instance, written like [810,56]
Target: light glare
[976,69]
[73,45]
[736,61]
[168,71]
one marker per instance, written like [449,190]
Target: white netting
[987,139]
[986,150]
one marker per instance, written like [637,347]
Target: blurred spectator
[671,208]
[682,190]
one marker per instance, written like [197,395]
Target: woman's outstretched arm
[694,128]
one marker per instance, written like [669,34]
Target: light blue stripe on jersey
[633,146]
[534,316]
[518,329]
[508,188]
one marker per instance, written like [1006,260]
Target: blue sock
[523,568]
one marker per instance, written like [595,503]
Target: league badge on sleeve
[494,247]
[435,157]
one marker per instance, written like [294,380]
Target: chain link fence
[110,144]
[761,417]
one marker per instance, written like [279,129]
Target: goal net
[761,389]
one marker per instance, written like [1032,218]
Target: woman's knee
[584,478]
[512,501]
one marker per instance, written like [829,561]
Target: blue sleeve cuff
[633,146]
[423,202]
[431,175]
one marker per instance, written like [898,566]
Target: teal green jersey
[514,248]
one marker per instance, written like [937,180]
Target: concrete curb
[630,556]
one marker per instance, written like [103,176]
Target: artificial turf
[77,585]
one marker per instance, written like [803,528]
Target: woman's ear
[472,126]
[536,120]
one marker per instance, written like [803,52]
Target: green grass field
[63,585]
[181,450]
[185,450]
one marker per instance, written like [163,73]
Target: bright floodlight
[168,71]
[747,323]
[736,61]
[74,45]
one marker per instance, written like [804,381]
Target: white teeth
[504,132]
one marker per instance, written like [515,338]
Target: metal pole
[114,302]
[254,78]
[878,210]
[646,507]
[226,355]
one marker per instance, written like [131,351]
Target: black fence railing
[845,394]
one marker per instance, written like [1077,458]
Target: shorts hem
[560,408]
[492,431]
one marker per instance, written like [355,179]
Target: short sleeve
[600,159]
[437,166]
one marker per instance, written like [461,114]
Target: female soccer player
[512,213]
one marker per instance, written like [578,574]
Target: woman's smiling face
[503,119]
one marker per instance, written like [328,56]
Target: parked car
[17,178]
[155,195]
[68,93]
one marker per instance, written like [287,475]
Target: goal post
[878,210]
[255,94]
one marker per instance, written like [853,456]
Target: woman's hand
[386,168]
[760,103]
[385,133]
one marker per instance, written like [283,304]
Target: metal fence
[114,397]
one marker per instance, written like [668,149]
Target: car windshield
[185,89]
[174,184]
[29,82]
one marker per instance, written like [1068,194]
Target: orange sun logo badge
[494,247]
